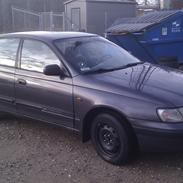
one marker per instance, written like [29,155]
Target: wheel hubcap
[108,138]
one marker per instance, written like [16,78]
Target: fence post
[106,20]
[24,20]
[13,18]
[51,21]
[64,28]
[40,22]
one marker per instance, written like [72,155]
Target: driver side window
[36,55]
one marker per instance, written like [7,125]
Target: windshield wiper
[130,65]
[101,70]
[126,66]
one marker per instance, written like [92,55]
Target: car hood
[144,81]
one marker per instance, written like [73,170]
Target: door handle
[22,82]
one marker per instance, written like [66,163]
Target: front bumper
[158,136]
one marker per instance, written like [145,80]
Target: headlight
[171,115]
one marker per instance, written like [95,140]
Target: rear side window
[8,51]
[36,55]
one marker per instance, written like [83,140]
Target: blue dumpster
[155,37]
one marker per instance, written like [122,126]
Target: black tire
[113,140]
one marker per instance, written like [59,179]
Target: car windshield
[91,54]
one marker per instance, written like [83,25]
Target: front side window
[36,55]
[88,54]
[8,51]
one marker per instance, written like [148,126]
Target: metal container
[155,37]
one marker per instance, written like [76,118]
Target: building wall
[165,4]
[33,5]
[101,15]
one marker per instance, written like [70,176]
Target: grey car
[93,87]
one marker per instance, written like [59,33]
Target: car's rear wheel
[111,139]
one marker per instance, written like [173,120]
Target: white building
[165,4]
[96,16]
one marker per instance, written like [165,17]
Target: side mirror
[52,70]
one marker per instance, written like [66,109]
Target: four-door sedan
[91,86]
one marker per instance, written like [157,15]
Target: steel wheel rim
[108,139]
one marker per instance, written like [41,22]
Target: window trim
[41,41]
[17,52]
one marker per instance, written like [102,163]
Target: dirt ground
[33,152]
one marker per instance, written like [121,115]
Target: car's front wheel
[111,139]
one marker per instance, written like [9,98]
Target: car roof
[44,35]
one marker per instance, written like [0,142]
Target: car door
[8,55]
[47,98]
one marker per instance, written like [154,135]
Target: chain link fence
[24,20]
[52,21]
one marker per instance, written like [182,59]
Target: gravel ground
[32,152]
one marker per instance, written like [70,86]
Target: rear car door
[46,98]
[8,55]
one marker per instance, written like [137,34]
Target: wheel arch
[89,117]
